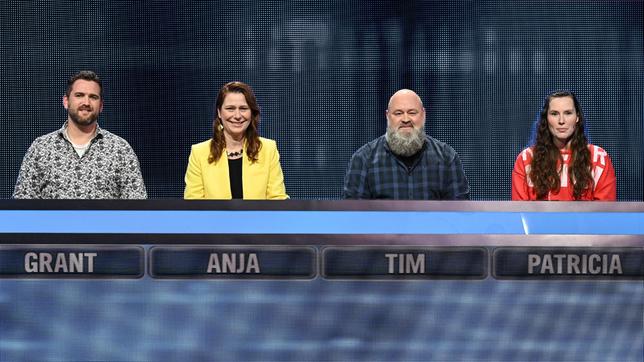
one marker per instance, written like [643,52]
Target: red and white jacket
[604,185]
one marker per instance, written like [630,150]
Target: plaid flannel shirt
[374,172]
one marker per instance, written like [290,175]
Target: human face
[405,113]
[235,115]
[84,102]
[562,120]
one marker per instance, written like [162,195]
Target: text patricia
[573,264]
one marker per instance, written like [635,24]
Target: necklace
[235,154]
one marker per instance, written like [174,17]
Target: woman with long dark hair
[561,165]
[236,163]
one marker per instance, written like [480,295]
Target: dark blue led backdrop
[323,72]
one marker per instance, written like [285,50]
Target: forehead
[235,98]
[562,103]
[405,101]
[86,86]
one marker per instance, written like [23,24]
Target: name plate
[395,263]
[568,263]
[231,262]
[65,262]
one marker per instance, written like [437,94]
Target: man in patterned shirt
[81,160]
[405,163]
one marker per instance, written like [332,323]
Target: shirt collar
[98,133]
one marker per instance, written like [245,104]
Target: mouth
[562,130]
[237,122]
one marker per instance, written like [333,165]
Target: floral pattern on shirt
[51,169]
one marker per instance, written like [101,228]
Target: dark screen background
[323,72]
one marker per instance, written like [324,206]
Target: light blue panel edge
[319,222]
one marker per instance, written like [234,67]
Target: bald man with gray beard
[405,163]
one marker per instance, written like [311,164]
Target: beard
[403,143]
[74,115]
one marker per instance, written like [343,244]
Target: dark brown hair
[84,75]
[218,142]
[547,163]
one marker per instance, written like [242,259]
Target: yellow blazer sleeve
[275,189]
[194,180]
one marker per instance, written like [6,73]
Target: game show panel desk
[328,239]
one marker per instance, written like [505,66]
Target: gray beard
[405,145]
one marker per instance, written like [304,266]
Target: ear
[65,102]
[100,108]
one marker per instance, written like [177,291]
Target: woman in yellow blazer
[236,162]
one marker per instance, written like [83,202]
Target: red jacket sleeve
[606,187]
[520,190]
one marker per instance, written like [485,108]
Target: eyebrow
[81,92]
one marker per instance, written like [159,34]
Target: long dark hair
[544,173]
[218,142]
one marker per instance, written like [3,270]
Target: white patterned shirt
[51,169]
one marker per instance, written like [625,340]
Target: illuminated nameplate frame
[404,226]
[75,262]
[568,263]
[401,263]
[232,262]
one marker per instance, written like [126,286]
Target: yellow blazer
[262,180]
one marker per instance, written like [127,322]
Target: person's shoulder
[598,155]
[440,148]
[201,146]
[368,148]
[115,139]
[267,142]
[51,136]
[437,143]
[45,141]
[594,149]
[525,155]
